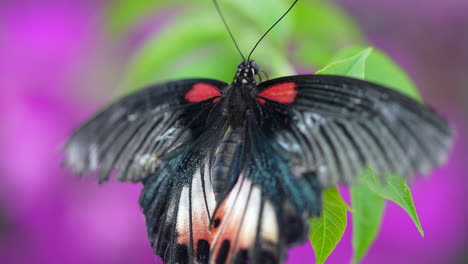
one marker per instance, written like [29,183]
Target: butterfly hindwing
[178,213]
[131,135]
[266,210]
[178,200]
[334,126]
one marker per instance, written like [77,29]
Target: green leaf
[352,67]
[327,230]
[394,189]
[382,70]
[367,211]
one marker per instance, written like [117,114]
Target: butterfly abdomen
[223,162]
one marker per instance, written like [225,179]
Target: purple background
[53,55]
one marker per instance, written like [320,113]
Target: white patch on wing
[183,221]
[241,203]
[193,210]
[166,135]
[210,197]
[269,223]
[250,221]
[200,217]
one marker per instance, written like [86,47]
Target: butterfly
[231,173]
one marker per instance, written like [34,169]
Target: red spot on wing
[282,93]
[201,92]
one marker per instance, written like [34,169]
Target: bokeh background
[59,63]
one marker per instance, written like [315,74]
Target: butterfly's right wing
[335,126]
[308,133]
[131,135]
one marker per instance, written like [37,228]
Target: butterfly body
[224,158]
[238,98]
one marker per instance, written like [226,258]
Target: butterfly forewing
[131,135]
[335,126]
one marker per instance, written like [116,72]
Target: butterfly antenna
[277,21]
[227,27]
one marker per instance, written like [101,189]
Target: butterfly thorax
[240,96]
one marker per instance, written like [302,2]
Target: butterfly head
[246,72]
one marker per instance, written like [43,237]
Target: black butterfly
[232,172]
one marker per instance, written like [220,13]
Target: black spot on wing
[242,257]
[223,252]
[203,251]
[267,257]
[216,222]
[181,254]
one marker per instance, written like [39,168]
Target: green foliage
[327,230]
[382,70]
[196,44]
[368,207]
[353,66]
[369,195]
[394,189]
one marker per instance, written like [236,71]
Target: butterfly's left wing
[164,136]
[335,126]
[131,135]
[178,200]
